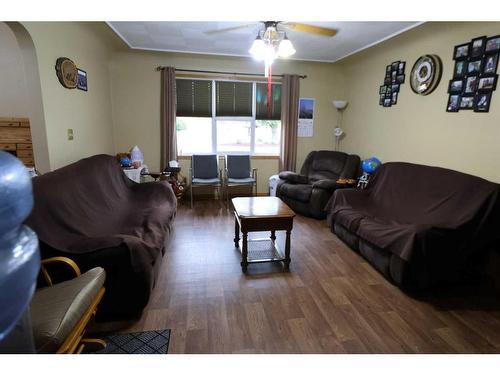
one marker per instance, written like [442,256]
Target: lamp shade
[285,48]
[339,104]
[258,49]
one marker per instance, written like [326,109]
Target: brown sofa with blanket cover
[92,213]
[419,225]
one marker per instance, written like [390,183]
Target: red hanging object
[269,90]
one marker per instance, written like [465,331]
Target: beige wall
[89,45]
[135,92]
[418,129]
[13,100]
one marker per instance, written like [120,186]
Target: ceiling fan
[272,42]
[294,26]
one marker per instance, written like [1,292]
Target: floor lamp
[340,105]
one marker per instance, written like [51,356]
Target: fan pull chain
[269,90]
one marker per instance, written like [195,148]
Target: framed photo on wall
[477,47]
[467,102]
[394,98]
[474,74]
[394,77]
[461,51]
[456,86]
[471,84]
[487,83]
[82,80]
[474,66]
[460,69]
[482,102]
[453,103]
[492,44]
[490,64]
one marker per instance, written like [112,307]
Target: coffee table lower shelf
[263,250]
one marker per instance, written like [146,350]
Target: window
[227,117]
[194,135]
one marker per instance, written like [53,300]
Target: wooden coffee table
[257,214]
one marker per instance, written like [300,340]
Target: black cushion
[293,177]
[238,166]
[205,166]
[300,192]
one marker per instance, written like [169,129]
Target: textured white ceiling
[190,37]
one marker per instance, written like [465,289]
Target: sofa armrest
[325,184]
[294,177]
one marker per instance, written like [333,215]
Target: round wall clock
[426,74]
[66,72]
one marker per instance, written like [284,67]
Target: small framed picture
[394,65]
[471,84]
[456,86]
[490,64]
[453,103]
[388,69]
[461,51]
[477,47]
[387,102]
[467,102]
[401,67]
[474,67]
[394,99]
[482,102]
[492,44]
[487,83]
[382,89]
[394,88]
[82,80]
[394,75]
[387,80]
[381,100]
[460,69]
[400,79]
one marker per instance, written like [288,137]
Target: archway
[33,95]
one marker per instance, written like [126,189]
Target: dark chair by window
[308,192]
[205,172]
[239,173]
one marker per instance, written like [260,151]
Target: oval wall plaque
[66,72]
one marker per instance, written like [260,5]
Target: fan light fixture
[271,44]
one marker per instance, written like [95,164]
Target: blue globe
[125,161]
[370,165]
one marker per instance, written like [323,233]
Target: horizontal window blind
[262,112]
[233,99]
[194,98]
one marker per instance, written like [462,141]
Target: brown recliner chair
[308,193]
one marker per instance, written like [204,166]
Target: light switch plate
[70,134]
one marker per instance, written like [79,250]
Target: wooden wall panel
[15,136]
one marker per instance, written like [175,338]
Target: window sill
[255,157]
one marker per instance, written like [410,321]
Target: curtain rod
[229,73]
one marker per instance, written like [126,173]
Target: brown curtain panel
[168,110]
[290,88]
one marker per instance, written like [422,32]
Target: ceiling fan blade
[303,28]
[227,29]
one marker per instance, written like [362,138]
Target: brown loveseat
[308,192]
[419,225]
[92,213]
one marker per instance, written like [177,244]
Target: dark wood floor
[331,301]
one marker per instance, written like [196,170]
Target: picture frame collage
[474,75]
[393,79]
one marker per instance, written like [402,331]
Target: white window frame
[252,119]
